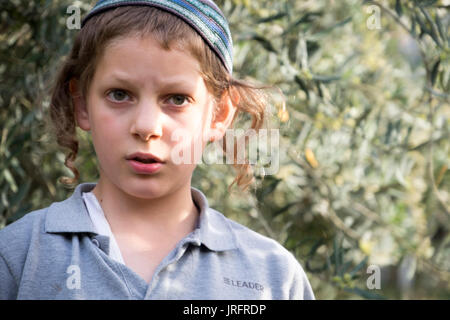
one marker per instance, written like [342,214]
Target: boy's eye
[117,95]
[178,99]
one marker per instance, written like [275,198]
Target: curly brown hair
[168,30]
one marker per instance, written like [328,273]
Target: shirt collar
[71,216]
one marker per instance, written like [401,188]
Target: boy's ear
[79,104]
[225,114]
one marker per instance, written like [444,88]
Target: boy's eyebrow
[175,81]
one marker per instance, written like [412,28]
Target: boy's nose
[147,123]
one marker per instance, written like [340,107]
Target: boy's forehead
[134,56]
[144,42]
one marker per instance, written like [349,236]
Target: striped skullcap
[203,15]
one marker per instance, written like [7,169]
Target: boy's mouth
[145,165]
[144,158]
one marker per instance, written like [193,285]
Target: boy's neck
[173,216]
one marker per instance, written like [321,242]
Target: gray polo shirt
[55,253]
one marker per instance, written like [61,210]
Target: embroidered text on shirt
[243,284]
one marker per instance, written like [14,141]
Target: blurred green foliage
[364,138]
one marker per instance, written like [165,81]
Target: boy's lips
[145,168]
[144,157]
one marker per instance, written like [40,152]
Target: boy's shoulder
[247,236]
[263,256]
[16,237]
[65,216]
[58,216]
[22,227]
[250,242]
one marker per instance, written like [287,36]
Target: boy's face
[146,99]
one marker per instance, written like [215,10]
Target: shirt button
[95,241]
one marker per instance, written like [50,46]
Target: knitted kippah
[202,15]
